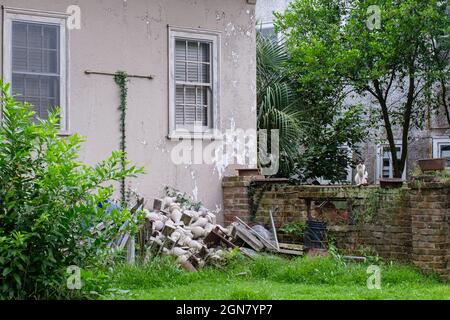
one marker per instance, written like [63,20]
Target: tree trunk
[406,123]
[444,100]
[397,173]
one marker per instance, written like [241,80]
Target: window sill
[206,136]
[64,133]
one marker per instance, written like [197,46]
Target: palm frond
[277,104]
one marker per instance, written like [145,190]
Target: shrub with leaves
[49,203]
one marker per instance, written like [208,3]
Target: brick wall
[430,218]
[388,231]
[407,225]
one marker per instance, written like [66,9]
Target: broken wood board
[274,230]
[291,252]
[216,237]
[355,258]
[291,246]
[246,236]
[267,244]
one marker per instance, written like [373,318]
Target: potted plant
[432,164]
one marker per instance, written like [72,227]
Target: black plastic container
[315,234]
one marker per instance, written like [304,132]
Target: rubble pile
[188,231]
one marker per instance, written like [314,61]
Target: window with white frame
[441,149]
[193,83]
[35,60]
[385,167]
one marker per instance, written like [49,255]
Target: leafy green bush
[158,272]
[294,228]
[49,203]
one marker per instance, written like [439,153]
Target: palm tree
[276,100]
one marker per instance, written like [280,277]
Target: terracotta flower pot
[388,183]
[432,164]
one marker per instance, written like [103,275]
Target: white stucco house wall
[200,55]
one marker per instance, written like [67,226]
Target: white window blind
[387,167]
[35,67]
[193,85]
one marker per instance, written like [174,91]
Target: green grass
[272,278]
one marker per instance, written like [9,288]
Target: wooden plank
[215,237]
[131,253]
[291,252]
[248,238]
[355,258]
[260,237]
[274,230]
[291,246]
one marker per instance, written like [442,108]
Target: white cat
[361,175]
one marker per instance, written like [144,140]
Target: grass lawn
[270,278]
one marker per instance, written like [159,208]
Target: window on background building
[267,30]
[193,81]
[385,167]
[441,149]
[35,61]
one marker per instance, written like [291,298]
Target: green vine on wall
[254,198]
[121,79]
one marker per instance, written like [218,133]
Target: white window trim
[379,161]
[195,34]
[437,142]
[47,17]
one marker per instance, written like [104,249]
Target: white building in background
[264,14]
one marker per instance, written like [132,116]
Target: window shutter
[192,82]
[35,65]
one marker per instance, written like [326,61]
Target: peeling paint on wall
[131,35]
[195,187]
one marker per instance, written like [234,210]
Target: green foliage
[255,192]
[334,55]
[121,79]
[435,175]
[365,213]
[295,228]
[276,100]
[48,203]
[313,123]
[327,142]
[157,272]
[272,277]
[311,63]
